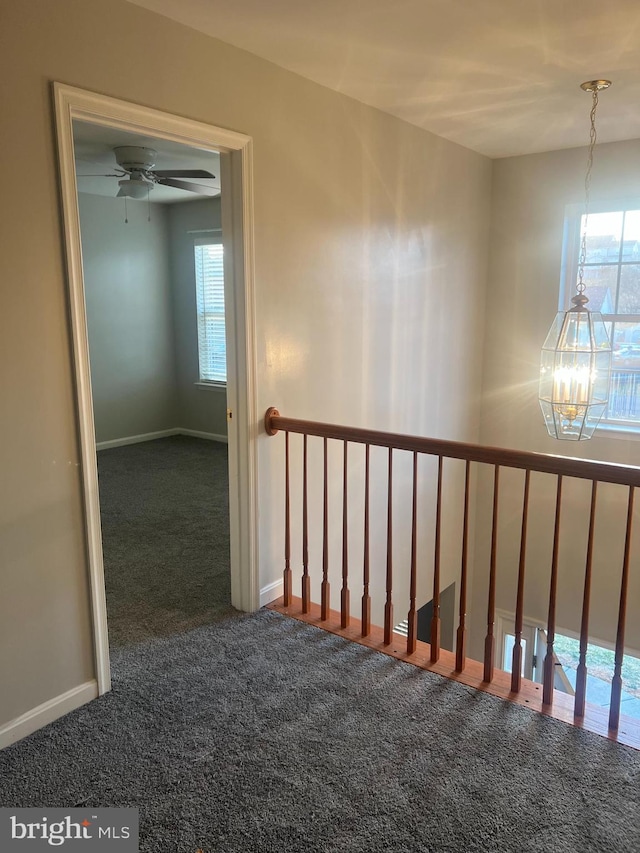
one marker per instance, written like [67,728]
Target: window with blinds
[212,345]
[612,277]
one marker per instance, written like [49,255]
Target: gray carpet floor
[259,733]
[164,508]
[238,733]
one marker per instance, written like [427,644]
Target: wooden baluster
[287,526]
[490,641]
[366,598]
[581,674]
[388,607]
[435,619]
[325,588]
[616,683]
[412,618]
[344,593]
[461,636]
[549,662]
[306,580]
[516,666]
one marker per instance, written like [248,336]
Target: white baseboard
[164,433]
[271,591]
[136,439]
[46,713]
[211,436]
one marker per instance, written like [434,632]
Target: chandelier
[575,365]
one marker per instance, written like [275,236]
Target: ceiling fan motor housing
[134,158]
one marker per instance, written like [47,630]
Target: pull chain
[126,215]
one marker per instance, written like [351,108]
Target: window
[612,277]
[212,346]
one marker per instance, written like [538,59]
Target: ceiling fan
[138,177]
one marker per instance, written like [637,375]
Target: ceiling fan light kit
[134,187]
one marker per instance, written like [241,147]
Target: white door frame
[237,226]
[531,628]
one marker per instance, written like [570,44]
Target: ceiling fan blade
[182,173]
[101,175]
[193,188]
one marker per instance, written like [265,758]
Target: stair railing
[500,459]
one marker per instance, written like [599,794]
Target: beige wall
[529,198]
[370,263]
[129,317]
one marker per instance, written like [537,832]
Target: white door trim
[237,215]
[505,624]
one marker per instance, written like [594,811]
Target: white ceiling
[499,76]
[94,146]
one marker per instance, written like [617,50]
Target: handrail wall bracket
[271,412]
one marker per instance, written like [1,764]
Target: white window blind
[212,345]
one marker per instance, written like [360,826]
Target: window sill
[212,386]
[631,433]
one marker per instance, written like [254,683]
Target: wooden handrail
[585,469]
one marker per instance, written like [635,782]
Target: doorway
[153,269]
[236,217]
[532,642]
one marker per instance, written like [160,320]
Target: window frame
[213,238]
[571,244]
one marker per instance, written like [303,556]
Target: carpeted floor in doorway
[164,507]
[260,734]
